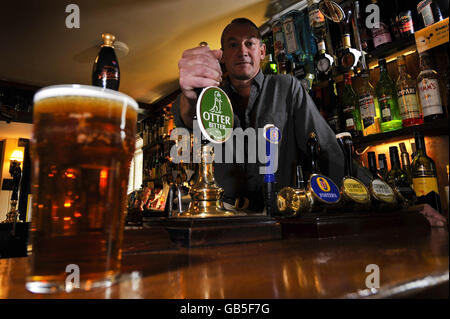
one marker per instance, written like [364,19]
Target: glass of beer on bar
[82,145]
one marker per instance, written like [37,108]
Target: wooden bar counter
[334,267]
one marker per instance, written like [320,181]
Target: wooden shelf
[391,50]
[435,128]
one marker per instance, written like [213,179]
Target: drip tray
[193,232]
[320,225]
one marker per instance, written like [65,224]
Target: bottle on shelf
[318,100]
[425,175]
[279,46]
[368,106]
[382,163]
[404,18]
[408,102]
[323,62]
[396,176]
[398,179]
[293,44]
[387,100]
[316,20]
[364,33]
[348,57]
[380,32]
[406,164]
[333,109]
[429,11]
[351,118]
[271,66]
[106,72]
[429,94]
[381,193]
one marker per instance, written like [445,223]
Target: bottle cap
[382,64]
[108,40]
[401,60]
[393,150]
[420,140]
[371,159]
[321,46]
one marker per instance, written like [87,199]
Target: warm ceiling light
[17,155]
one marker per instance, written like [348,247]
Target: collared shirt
[280,100]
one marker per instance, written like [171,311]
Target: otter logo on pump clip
[217,107]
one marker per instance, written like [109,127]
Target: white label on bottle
[289,33]
[386,113]
[427,15]
[349,123]
[408,104]
[380,34]
[367,108]
[430,97]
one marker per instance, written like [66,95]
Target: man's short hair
[241,21]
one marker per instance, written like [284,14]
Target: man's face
[242,52]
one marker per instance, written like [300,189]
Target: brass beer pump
[321,194]
[206,195]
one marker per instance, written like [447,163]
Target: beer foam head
[83,90]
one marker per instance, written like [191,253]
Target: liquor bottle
[380,32]
[382,163]
[404,18]
[291,35]
[323,61]
[318,100]
[429,94]
[368,107]
[348,57]
[396,175]
[406,164]
[429,11]
[364,34]
[354,192]
[316,20]
[387,100]
[393,19]
[106,73]
[333,109]
[381,193]
[408,102]
[271,66]
[351,118]
[398,179]
[425,175]
[279,46]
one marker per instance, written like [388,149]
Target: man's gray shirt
[280,100]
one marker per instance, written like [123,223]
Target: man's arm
[198,68]
[308,119]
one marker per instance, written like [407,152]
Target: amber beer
[82,146]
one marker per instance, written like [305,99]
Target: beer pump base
[206,195]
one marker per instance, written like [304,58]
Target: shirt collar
[258,79]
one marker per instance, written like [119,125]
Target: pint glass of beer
[82,145]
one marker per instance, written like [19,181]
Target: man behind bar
[258,100]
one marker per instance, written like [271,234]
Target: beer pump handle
[300,180]
[348,149]
[313,150]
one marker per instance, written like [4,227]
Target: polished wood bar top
[289,268]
